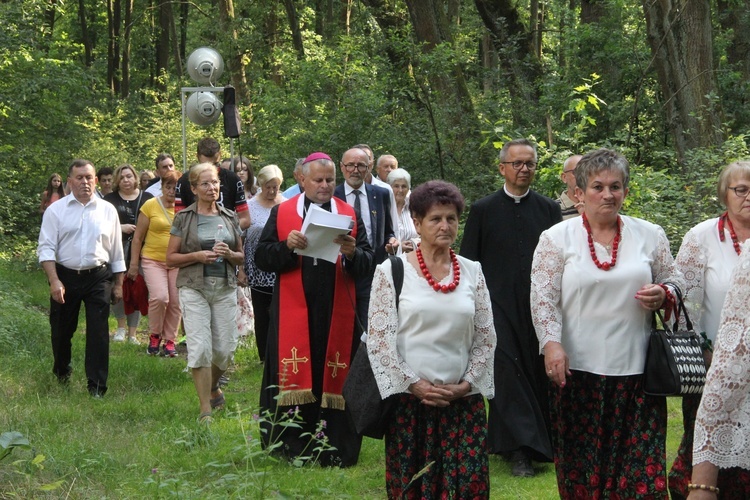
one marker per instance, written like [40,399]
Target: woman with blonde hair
[261,283]
[207,282]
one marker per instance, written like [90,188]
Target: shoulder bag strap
[397,271]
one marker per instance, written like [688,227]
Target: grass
[142,439]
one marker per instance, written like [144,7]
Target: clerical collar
[517,198]
[325,206]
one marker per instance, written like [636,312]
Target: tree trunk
[679,33]
[236,62]
[735,17]
[291,14]
[515,49]
[88,49]
[446,98]
[114,20]
[125,87]
[162,42]
[50,13]
[592,11]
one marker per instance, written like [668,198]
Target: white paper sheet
[321,227]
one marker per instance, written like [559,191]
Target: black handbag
[674,361]
[368,410]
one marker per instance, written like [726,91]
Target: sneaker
[182,340]
[133,340]
[119,335]
[168,350]
[153,344]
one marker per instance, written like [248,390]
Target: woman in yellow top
[154,223]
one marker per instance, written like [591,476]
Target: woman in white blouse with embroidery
[707,257]
[722,427]
[595,281]
[434,355]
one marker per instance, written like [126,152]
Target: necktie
[357,204]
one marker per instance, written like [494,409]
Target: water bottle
[221,236]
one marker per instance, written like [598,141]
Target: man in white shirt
[375,181]
[80,250]
[569,203]
[164,164]
[385,165]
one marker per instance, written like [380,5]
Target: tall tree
[114,22]
[126,40]
[680,35]
[164,10]
[236,61]
[520,67]
[86,40]
[291,14]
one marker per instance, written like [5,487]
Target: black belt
[82,271]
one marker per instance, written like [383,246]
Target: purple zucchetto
[317,156]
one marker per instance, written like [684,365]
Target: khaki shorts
[208,316]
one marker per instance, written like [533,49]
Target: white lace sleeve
[691,262]
[391,372]
[546,290]
[480,372]
[663,267]
[722,427]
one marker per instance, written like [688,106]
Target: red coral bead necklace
[604,266]
[724,219]
[431,281]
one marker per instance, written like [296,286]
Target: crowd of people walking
[529,343]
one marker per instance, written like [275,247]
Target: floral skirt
[435,453]
[609,438]
[733,482]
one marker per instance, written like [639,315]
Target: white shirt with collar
[79,236]
[155,189]
[394,210]
[364,205]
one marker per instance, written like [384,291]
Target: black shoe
[521,464]
[64,379]
[96,393]
[223,381]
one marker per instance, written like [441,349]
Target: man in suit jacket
[373,205]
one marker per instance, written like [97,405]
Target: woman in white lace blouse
[595,281]
[400,181]
[708,255]
[434,354]
[722,427]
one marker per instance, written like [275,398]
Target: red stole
[295,364]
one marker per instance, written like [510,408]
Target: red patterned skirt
[452,439]
[609,439]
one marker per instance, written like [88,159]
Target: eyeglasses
[518,165]
[206,185]
[569,170]
[350,167]
[740,191]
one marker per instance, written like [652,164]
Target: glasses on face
[208,184]
[350,167]
[570,170]
[740,191]
[518,165]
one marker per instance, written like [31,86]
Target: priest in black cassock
[501,232]
[313,335]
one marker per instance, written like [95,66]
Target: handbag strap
[680,307]
[397,271]
[166,214]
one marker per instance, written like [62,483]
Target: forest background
[440,84]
